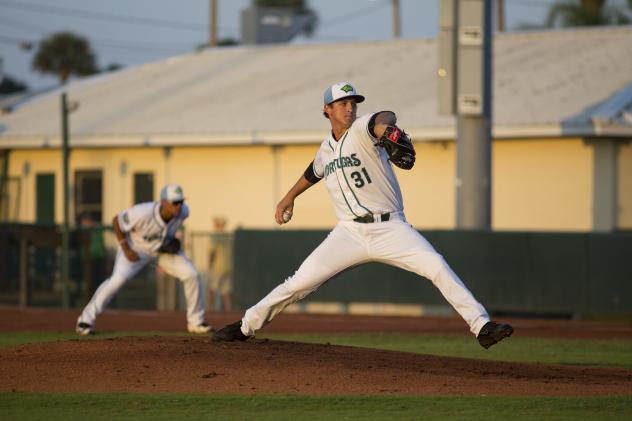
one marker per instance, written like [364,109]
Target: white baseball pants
[177,265]
[394,242]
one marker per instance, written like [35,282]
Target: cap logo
[178,190]
[347,88]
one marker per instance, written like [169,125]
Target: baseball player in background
[220,273]
[355,162]
[146,233]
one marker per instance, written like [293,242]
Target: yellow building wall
[625,186]
[542,185]
[537,185]
[117,183]
[119,166]
[25,165]
[429,188]
[234,182]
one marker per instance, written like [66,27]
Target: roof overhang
[432,134]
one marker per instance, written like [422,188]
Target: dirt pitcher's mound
[197,365]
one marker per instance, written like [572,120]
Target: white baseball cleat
[201,328]
[84,329]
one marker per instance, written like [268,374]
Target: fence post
[24,296]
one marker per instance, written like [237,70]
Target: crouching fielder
[146,233]
[355,161]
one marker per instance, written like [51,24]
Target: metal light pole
[465,90]
[474,120]
[65,237]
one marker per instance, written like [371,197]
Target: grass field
[598,353]
[613,353]
[33,406]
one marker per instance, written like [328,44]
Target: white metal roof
[554,83]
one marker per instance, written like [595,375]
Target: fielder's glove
[170,245]
[398,146]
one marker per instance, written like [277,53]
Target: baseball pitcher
[355,161]
[146,233]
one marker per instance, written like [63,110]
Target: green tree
[64,54]
[9,85]
[222,42]
[298,7]
[569,13]
[112,67]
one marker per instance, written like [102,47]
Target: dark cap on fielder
[172,193]
[341,90]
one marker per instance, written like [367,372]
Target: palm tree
[64,54]
[9,85]
[570,13]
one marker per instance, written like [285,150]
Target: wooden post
[88,283]
[24,294]
[213,24]
[500,15]
[397,27]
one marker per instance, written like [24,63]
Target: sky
[132,32]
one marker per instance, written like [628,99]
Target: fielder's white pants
[394,242]
[176,265]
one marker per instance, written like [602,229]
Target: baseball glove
[398,146]
[171,245]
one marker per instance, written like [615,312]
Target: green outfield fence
[30,267]
[578,275]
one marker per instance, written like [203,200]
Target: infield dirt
[194,364]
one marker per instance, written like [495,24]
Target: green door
[45,200]
[143,187]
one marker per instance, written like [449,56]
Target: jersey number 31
[359,180]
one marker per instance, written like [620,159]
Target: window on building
[89,195]
[45,198]
[143,187]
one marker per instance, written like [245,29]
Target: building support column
[605,206]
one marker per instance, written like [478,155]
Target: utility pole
[500,15]
[65,235]
[465,90]
[397,31]
[474,105]
[213,24]
[66,109]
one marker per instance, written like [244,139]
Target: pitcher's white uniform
[360,181]
[145,231]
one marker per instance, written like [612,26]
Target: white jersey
[358,174]
[360,180]
[145,228]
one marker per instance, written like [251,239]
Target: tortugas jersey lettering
[342,162]
[145,228]
[358,175]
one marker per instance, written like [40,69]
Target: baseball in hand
[287,215]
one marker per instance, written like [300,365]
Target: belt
[370,218]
